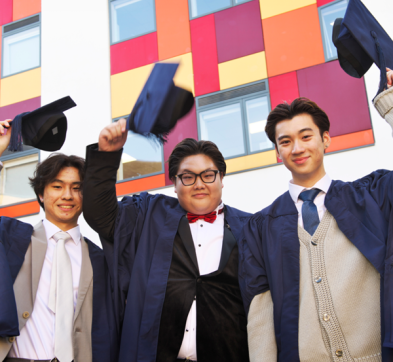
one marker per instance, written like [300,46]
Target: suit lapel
[86,277]
[186,237]
[228,244]
[39,245]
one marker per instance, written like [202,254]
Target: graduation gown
[15,237]
[269,252]
[138,235]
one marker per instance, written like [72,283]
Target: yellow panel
[271,8]
[251,161]
[20,87]
[242,70]
[126,87]
[185,74]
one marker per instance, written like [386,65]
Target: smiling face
[200,198]
[62,199]
[301,148]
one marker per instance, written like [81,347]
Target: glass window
[327,15]
[203,7]
[21,47]
[132,18]
[141,157]
[15,175]
[235,119]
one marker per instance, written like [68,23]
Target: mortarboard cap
[160,105]
[361,41]
[44,128]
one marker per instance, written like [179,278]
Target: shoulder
[147,198]
[233,212]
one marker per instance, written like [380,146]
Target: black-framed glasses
[189,178]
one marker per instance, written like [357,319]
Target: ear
[277,153]
[326,139]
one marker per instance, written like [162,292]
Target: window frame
[237,100]
[133,37]
[233,4]
[16,31]
[327,59]
[143,176]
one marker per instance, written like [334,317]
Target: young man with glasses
[174,260]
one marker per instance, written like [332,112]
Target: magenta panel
[12,110]
[185,128]
[239,31]
[134,53]
[342,97]
[204,55]
[283,88]
[323,2]
[5,12]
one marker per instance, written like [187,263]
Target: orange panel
[25,8]
[351,140]
[19,210]
[293,40]
[142,184]
[173,28]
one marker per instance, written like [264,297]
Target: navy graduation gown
[15,237]
[269,252]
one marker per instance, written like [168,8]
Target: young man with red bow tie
[174,260]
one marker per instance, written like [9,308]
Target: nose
[199,184]
[297,147]
[67,193]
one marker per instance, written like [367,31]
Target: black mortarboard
[361,41]
[160,105]
[44,128]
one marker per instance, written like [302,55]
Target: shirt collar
[323,184]
[52,229]
[219,207]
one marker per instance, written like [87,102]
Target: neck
[308,180]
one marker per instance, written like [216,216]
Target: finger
[388,69]
[123,123]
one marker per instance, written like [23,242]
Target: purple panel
[239,31]
[342,97]
[12,110]
[185,128]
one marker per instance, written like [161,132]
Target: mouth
[66,207]
[300,160]
[199,196]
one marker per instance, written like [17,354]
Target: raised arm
[100,207]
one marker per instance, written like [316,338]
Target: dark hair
[285,111]
[191,147]
[47,171]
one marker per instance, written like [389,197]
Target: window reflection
[141,157]
[202,7]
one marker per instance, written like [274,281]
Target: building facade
[240,58]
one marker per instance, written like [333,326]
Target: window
[21,46]
[141,157]
[327,15]
[235,119]
[131,18]
[202,7]
[14,180]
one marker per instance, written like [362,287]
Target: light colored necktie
[61,299]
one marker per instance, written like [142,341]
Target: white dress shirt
[323,184]
[207,239]
[37,337]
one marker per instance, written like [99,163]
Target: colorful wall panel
[283,88]
[272,8]
[238,32]
[24,8]
[10,111]
[5,12]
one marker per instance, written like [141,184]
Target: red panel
[185,128]
[283,88]
[342,97]
[142,184]
[5,12]
[352,140]
[239,31]
[134,53]
[323,2]
[12,110]
[204,55]
[23,209]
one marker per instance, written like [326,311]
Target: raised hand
[113,137]
[5,134]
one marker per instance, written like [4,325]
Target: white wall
[75,61]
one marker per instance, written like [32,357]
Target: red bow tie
[210,217]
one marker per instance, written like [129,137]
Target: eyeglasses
[189,178]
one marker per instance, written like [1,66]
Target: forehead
[196,163]
[293,126]
[68,174]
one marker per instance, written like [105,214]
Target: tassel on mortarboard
[16,143]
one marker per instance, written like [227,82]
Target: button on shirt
[207,239]
[37,337]
[323,184]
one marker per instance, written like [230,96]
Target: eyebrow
[301,131]
[61,181]
[189,171]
